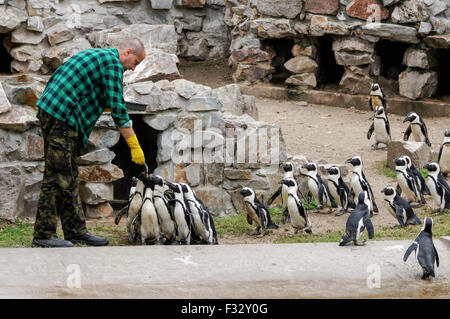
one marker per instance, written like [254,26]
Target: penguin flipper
[369,133]
[399,215]
[437,256]
[343,198]
[409,251]
[321,193]
[440,153]
[249,219]
[407,133]
[275,195]
[368,224]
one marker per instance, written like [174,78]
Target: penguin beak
[349,160]
[406,119]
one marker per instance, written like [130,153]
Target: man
[76,95]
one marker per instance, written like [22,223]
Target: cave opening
[391,54]
[147,137]
[282,49]
[329,72]
[5,57]
[443,58]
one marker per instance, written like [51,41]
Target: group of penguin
[161,212]
[359,196]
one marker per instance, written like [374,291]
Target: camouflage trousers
[59,195]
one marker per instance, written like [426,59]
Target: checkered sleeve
[113,78]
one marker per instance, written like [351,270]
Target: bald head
[131,53]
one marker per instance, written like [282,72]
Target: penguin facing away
[202,218]
[417,127]
[149,228]
[381,127]
[257,212]
[338,188]
[376,97]
[288,169]
[444,154]
[182,214]
[440,191]
[297,212]
[134,212]
[408,182]
[318,188]
[419,178]
[400,208]
[426,253]
[166,220]
[358,221]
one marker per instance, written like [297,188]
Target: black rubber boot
[53,242]
[88,239]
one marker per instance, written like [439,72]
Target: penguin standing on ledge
[417,127]
[376,97]
[444,154]
[400,208]
[423,246]
[257,212]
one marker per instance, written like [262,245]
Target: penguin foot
[375,146]
[340,213]
[260,235]
[255,232]
[307,230]
[359,243]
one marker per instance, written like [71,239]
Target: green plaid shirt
[80,89]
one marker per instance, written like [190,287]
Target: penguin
[419,178]
[202,218]
[381,127]
[149,229]
[297,212]
[439,188]
[181,214]
[125,209]
[134,211]
[358,220]
[359,182]
[166,220]
[288,169]
[257,212]
[400,208]
[417,127]
[423,246]
[444,154]
[338,188]
[408,182]
[318,188]
[376,97]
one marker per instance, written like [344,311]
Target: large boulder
[417,84]
[279,8]
[321,25]
[419,152]
[409,12]
[273,28]
[353,58]
[419,58]
[11,18]
[301,64]
[391,32]
[438,41]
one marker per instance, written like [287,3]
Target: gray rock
[22,35]
[387,3]
[5,106]
[165,170]
[11,18]
[438,41]
[440,25]
[35,24]
[32,146]
[160,121]
[425,28]
[353,58]
[301,64]
[100,173]
[321,25]
[27,206]
[195,49]
[354,83]
[60,33]
[279,8]
[105,121]
[391,32]
[272,28]
[419,153]
[437,7]
[19,4]
[161,4]
[190,3]
[303,80]
[11,180]
[252,72]
[99,211]
[18,119]
[165,142]
[237,174]
[10,145]
[188,173]
[235,102]
[57,55]
[353,44]
[203,103]
[104,138]
[96,193]
[192,23]
[188,89]
[216,199]
[100,156]
[409,12]
[419,58]
[415,84]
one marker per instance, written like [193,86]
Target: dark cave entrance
[391,54]
[330,73]
[5,58]
[282,48]
[147,140]
[443,69]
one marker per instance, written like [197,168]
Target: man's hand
[137,155]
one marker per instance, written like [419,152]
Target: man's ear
[128,51]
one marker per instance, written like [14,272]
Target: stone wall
[355,26]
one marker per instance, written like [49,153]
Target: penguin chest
[253,215]
[297,220]
[198,223]
[402,181]
[434,193]
[334,191]
[417,133]
[284,195]
[167,226]
[149,221]
[313,187]
[381,134]
[390,208]
[359,229]
[180,219]
[444,162]
[356,185]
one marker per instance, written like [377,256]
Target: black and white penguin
[417,127]
[400,208]
[338,188]
[166,220]
[134,210]
[288,169]
[444,154]
[439,188]
[419,178]
[297,212]
[181,214]
[381,127]
[408,182]
[358,220]
[149,228]
[423,246]
[359,183]
[376,97]
[202,218]
[257,212]
[318,188]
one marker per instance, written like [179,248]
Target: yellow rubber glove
[107,109]
[137,155]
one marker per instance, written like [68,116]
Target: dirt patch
[213,73]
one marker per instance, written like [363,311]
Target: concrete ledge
[396,105]
[446,240]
